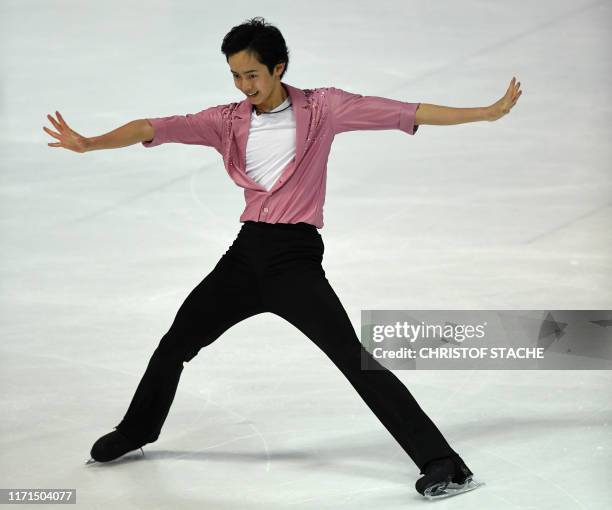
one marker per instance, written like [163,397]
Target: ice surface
[100,249]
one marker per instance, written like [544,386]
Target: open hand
[68,138]
[505,104]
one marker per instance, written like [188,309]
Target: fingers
[55,135]
[61,128]
[510,98]
[60,124]
[515,90]
[54,122]
[61,119]
[516,98]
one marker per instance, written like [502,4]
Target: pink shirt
[320,114]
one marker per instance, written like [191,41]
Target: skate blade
[448,489]
[92,461]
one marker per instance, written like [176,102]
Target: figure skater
[275,144]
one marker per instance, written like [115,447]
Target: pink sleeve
[352,112]
[202,128]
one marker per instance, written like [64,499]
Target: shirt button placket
[263,212]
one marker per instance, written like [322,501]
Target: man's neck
[276,103]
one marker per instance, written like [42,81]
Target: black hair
[262,40]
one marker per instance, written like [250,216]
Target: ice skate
[112,446]
[445,478]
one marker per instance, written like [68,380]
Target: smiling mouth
[252,95]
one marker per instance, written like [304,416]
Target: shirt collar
[298,100]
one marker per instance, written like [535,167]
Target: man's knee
[176,349]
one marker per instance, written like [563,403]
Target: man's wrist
[488,113]
[89,144]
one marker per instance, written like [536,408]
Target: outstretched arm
[128,134]
[202,128]
[444,115]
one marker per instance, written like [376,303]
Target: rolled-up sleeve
[352,112]
[202,128]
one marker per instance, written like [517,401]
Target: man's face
[250,76]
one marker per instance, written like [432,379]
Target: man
[275,144]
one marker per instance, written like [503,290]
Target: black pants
[277,268]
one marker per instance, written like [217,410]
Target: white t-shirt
[271,144]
